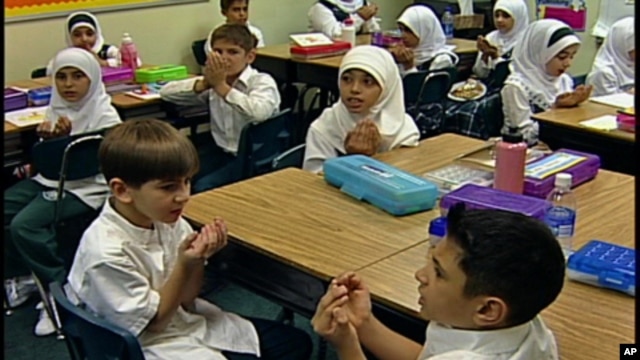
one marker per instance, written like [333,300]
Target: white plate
[458,84]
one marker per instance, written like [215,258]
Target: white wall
[163,35]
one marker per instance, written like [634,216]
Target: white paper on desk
[606,122]
[26,117]
[466,7]
[621,100]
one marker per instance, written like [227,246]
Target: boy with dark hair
[140,265]
[237,12]
[236,93]
[482,290]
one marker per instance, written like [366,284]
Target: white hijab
[83,18]
[530,56]
[94,111]
[519,12]
[348,6]
[614,53]
[395,126]
[425,25]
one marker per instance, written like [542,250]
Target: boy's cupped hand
[200,246]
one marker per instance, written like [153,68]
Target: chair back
[290,158]
[39,72]
[500,74]
[91,337]
[197,47]
[261,142]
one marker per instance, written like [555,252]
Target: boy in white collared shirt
[237,94]
[140,265]
[482,290]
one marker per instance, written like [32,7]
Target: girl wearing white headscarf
[327,134]
[327,16]
[28,205]
[108,54]
[613,68]
[530,88]
[504,41]
[431,52]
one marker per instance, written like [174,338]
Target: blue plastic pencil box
[605,265]
[384,186]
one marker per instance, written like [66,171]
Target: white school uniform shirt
[518,9]
[254,97]
[529,341]
[326,135]
[118,272]
[321,19]
[92,113]
[529,86]
[432,45]
[613,71]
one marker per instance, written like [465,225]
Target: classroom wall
[163,35]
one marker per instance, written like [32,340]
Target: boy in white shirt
[482,289]
[140,265]
[236,93]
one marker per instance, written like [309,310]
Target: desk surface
[571,117]
[585,319]
[296,217]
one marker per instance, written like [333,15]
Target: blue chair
[91,337]
[197,47]
[290,158]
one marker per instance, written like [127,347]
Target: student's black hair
[510,256]
[226,4]
[559,34]
[236,34]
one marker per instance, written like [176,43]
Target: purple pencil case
[480,198]
[117,74]
[581,172]
[14,99]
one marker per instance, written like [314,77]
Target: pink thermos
[511,154]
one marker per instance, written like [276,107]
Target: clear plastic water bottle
[128,52]
[447,23]
[561,213]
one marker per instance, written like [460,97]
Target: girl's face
[409,39]
[359,91]
[83,37]
[72,83]
[504,22]
[560,63]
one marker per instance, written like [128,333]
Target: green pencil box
[161,73]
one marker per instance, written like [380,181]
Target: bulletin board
[26,10]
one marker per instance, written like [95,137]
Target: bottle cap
[512,135]
[438,226]
[563,180]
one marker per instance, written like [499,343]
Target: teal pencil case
[382,185]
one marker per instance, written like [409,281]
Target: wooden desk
[588,322]
[561,128]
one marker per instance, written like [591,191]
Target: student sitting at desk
[236,12]
[236,93]
[511,18]
[82,30]
[368,118]
[539,79]
[482,290]
[613,69]
[78,104]
[327,16]
[423,45]
[140,265]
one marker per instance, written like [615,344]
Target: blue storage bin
[384,186]
[40,96]
[605,265]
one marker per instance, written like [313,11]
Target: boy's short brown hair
[226,4]
[236,34]
[138,151]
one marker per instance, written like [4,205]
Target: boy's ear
[251,56]
[491,312]
[120,190]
